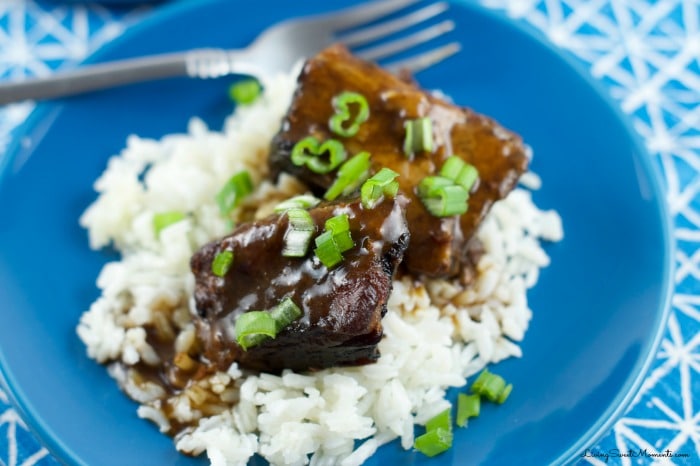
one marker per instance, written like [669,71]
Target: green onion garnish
[459,171]
[479,382]
[440,421]
[254,327]
[299,232]
[327,249]
[338,223]
[163,220]
[467,406]
[438,435]
[343,240]
[244,92]
[350,175]
[222,263]
[419,136]
[430,185]
[235,189]
[341,104]
[491,386]
[442,197]
[339,226]
[434,442]
[505,393]
[310,152]
[378,186]
[285,313]
[335,240]
[303,201]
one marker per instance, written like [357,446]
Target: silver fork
[276,49]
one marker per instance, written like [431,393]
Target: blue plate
[108,2]
[599,309]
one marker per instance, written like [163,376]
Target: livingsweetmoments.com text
[605,455]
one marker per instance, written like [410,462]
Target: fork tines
[400,30]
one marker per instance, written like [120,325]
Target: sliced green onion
[434,442]
[285,313]
[344,241]
[303,201]
[442,200]
[431,185]
[340,227]
[442,197]
[222,263]
[440,421]
[163,220]
[350,175]
[341,104]
[467,177]
[335,240]
[419,136]
[384,177]
[452,166]
[459,171]
[310,152]
[467,406]
[491,386]
[478,384]
[245,92]
[338,223]
[327,249]
[438,435]
[254,327]
[505,393]
[378,186]
[451,200]
[299,232]
[235,189]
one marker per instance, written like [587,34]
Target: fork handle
[199,63]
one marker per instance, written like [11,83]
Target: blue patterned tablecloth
[647,52]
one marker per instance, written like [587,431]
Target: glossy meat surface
[342,307]
[438,245]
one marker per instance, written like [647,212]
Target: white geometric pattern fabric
[34,40]
[647,53]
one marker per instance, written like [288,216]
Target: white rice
[437,334]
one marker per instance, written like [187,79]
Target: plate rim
[42,116]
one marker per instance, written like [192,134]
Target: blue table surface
[646,52]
